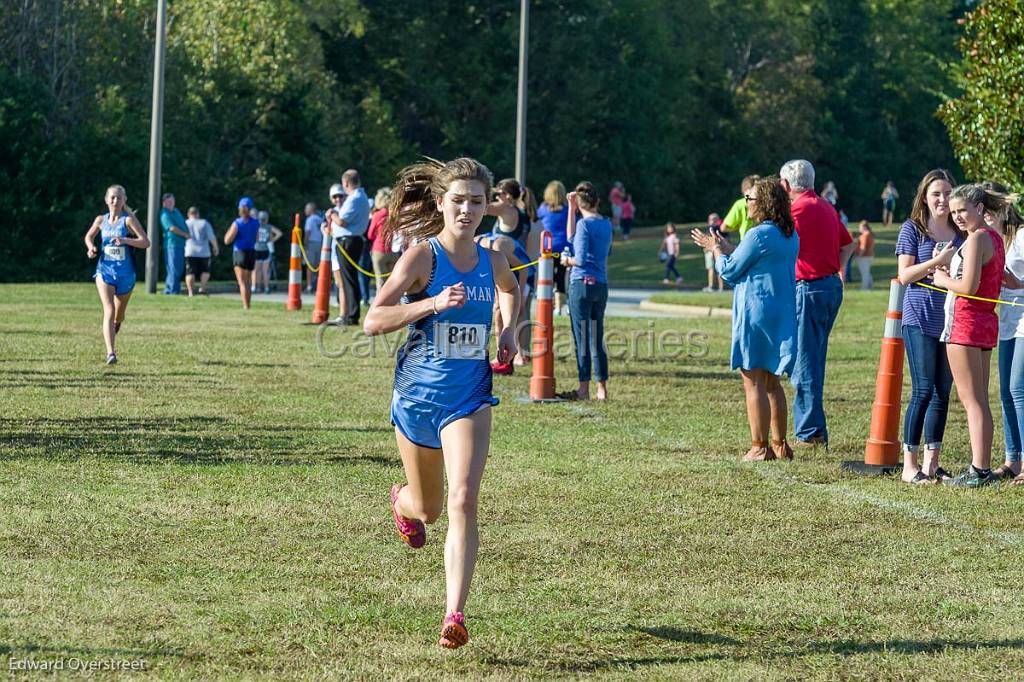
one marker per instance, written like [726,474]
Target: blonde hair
[383,196]
[554,195]
[124,195]
[412,211]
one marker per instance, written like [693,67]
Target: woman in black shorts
[243,234]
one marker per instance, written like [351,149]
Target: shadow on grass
[104,377]
[199,439]
[677,373]
[85,653]
[239,364]
[763,651]
[675,634]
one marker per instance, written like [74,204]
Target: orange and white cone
[322,305]
[295,270]
[882,449]
[542,382]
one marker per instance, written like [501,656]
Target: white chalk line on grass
[904,508]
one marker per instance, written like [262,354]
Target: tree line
[679,99]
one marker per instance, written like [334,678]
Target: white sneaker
[707,290]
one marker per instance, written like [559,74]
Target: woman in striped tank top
[444,290]
[120,233]
[971,330]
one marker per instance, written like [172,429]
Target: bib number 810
[460,341]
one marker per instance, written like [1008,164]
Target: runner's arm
[141,241]
[508,303]
[410,273]
[90,237]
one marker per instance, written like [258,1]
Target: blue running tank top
[519,251]
[444,361]
[115,261]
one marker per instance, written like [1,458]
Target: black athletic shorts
[196,265]
[262,256]
[245,259]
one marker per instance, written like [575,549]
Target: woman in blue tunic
[444,290]
[762,269]
[120,233]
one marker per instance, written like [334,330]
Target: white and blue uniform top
[116,263]
[444,362]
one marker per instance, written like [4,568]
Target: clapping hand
[704,240]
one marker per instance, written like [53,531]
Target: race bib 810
[453,341]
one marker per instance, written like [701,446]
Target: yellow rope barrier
[974,298]
[302,250]
[385,274]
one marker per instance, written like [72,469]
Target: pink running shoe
[453,631]
[505,368]
[413,532]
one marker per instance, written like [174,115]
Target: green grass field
[216,506]
[635,263]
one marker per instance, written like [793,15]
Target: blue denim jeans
[586,306]
[930,383]
[174,259]
[817,305]
[1011,391]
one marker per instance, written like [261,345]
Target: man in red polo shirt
[824,246]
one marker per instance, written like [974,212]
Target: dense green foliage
[986,123]
[677,98]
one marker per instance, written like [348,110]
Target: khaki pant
[383,263]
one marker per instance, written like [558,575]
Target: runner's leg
[465,443]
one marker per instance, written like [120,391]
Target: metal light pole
[524,42]
[155,151]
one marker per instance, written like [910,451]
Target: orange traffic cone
[542,382]
[882,450]
[295,270]
[321,308]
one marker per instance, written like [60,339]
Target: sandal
[759,452]
[569,395]
[1018,479]
[920,478]
[942,475]
[1003,472]
[782,450]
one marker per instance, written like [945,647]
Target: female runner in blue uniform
[444,290]
[120,233]
[243,233]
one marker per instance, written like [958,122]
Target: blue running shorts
[421,423]
[122,285]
